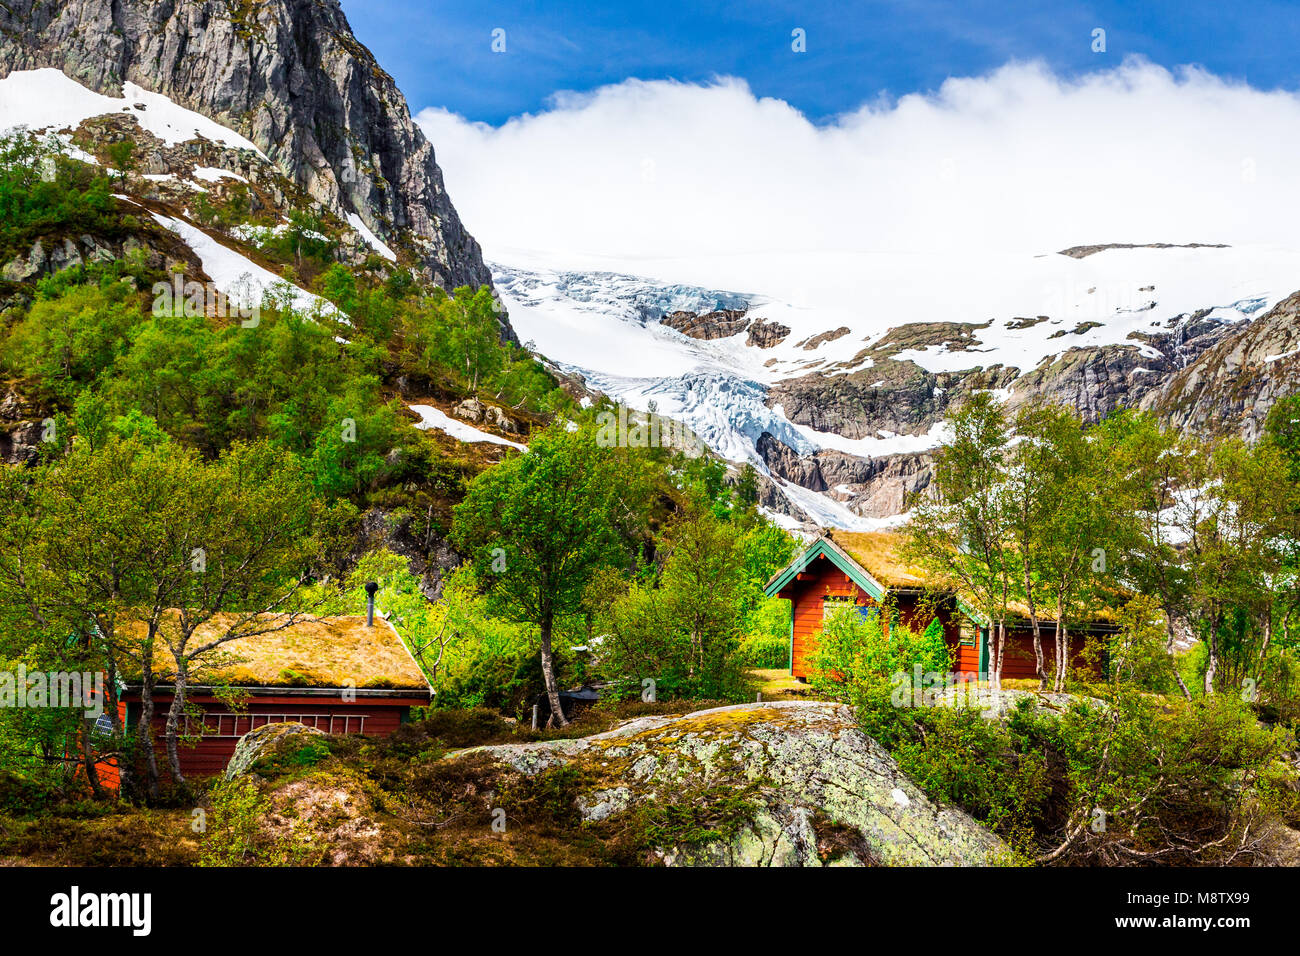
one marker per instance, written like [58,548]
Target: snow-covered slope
[48,100]
[945,314]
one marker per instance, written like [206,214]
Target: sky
[442,55]
[690,142]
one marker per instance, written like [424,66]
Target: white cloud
[1019,161]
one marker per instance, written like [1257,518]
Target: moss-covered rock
[276,744]
[782,783]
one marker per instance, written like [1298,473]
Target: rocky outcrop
[47,256]
[821,338]
[766,334]
[267,742]
[428,555]
[288,75]
[718,324]
[1099,380]
[872,487]
[891,395]
[1231,387]
[823,792]
[1082,252]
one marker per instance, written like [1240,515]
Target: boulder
[265,742]
[498,420]
[21,269]
[824,792]
[472,410]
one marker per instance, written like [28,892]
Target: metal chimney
[371,588]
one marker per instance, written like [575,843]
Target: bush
[764,650]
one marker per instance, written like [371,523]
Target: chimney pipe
[371,588]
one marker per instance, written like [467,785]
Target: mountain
[291,79]
[837,399]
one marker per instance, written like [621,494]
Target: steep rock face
[718,324]
[891,395]
[871,487]
[287,74]
[1232,386]
[1097,381]
[824,792]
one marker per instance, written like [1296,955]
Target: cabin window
[969,636]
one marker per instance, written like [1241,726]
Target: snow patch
[210,174]
[431,417]
[375,242]
[46,99]
[241,279]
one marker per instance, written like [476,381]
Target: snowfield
[48,100]
[431,417]
[1021,311]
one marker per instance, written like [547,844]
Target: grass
[778,683]
[314,652]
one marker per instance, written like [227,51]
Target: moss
[121,836]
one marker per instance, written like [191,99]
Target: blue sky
[440,53]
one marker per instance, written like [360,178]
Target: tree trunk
[548,673]
[172,733]
[1212,667]
[1062,655]
[995,658]
[1175,626]
[144,732]
[88,757]
[1038,634]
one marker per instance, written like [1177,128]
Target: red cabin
[862,569]
[337,674]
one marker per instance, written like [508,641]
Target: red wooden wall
[373,716]
[823,578]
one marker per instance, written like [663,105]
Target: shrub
[765,650]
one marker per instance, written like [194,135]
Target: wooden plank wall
[210,756]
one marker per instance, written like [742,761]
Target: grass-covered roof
[310,652]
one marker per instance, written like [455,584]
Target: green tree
[137,550]
[961,530]
[538,527]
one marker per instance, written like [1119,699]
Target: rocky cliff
[1232,386]
[287,74]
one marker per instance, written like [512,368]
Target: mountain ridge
[287,74]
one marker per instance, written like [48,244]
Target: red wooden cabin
[862,569]
[337,674]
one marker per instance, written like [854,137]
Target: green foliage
[764,650]
[233,836]
[67,342]
[685,632]
[856,655]
[42,192]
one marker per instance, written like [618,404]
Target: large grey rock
[816,774]
[265,741]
